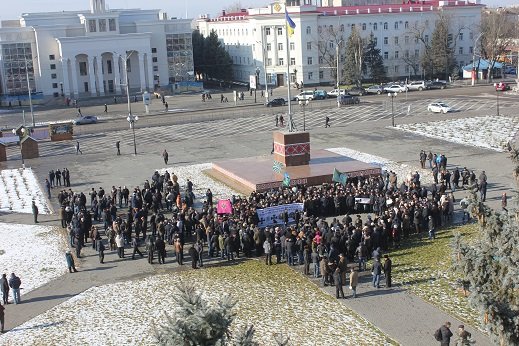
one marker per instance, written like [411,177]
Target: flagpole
[290,121]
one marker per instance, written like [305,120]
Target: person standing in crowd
[58,177]
[34,211]
[160,245]
[387,270]
[15,283]
[194,256]
[47,188]
[119,241]
[376,271]
[444,334]
[179,251]
[135,246]
[4,287]
[70,262]
[267,248]
[354,281]
[165,156]
[101,250]
[337,278]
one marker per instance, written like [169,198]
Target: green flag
[286,180]
[339,177]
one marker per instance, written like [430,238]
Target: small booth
[29,147]
[61,132]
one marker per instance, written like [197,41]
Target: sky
[174,8]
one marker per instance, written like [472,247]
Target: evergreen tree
[217,61]
[198,53]
[245,337]
[195,321]
[442,49]
[373,62]
[491,267]
[352,71]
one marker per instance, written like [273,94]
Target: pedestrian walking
[135,246]
[106,108]
[15,283]
[35,211]
[2,318]
[165,156]
[70,262]
[444,334]
[118,146]
[47,187]
[4,287]
[387,270]
[277,120]
[281,120]
[101,250]
[463,337]
[166,106]
[327,122]
[115,100]
[78,149]
[354,281]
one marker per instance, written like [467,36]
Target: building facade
[255,38]
[87,53]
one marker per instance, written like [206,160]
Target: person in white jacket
[119,241]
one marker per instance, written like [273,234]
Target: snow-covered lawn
[491,132]
[403,171]
[18,187]
[34,253]
[274,299]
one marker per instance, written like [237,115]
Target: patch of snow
[18,188]
[34,253]
[490,132]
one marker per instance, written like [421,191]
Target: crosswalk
[264,122]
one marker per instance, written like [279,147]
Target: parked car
[439,107]
[395,88]
[417,85]
[437,85]
[356,91]
[335,92]
[276,102]
[375,89]
[348,100]
[320,94]
[510,70]
[87,119]
[502,86]
[305,95]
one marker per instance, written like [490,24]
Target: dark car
[348,100]
[276,102]
[437,85]
[87,119]
[357,91]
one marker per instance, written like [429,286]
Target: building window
[308,45]
[321,60]
[406,54]
[471,35]
[155,69]
[269,47]
[460,36]
[352,27]
[406,68]
[54,85]
[109,66]
[92,25]
[309,60]
[154,50]
[364,26]
[385,26]
[292,61]
[310,75]
[321,74]
[396,54]
[375,26]
[375,40]
[471,50]
[426,39]
[386,55]
[52,57]
[406,39]
[280,31]
[308,30]
[111,24]
[396,69]
[331,45]
[280,46]
[416,53]
[396,40]
[406,26]
[267,31]
[416,40]
[342,28]
[85,84]
[386,40]
[269,61]
[461,50]
[449,38]
[319,29]
[154,59]
[52,66]
[281,62]
[396,25]
[53,76]
[82,68]
[292,46]
[102,25]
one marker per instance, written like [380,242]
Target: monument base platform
[246,175]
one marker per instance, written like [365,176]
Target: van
[320,94]
[305,95]
[418,85]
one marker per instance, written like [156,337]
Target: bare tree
[328,39]
[498,31]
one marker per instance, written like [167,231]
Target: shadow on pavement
[45,298]
[39,326]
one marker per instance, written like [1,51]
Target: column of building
[117,75]
[100,80]
[142,74]
[73,71]
[149,65]
[91,75]
[65,77]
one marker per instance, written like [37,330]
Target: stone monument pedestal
[292,148]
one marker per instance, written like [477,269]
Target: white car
[395,88]
[335,92]
[305,95]
[439,107]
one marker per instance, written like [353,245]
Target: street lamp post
[304,103]
[132,119]
[256,76]
[392,95]
[30,92]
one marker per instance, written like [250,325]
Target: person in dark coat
[4,288]
[35,212]
[376,271]
[446,334]
[337,279]
[135,246]
[160,246]
[70,262]
[194,256]
[387,270]
[2,318]
[101,250]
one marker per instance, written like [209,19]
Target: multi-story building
[81,53]
[255,38]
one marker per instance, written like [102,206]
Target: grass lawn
[424,267]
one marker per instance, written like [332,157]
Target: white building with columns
[255,38]
[86,53]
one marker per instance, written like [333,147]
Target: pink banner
[224,206]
